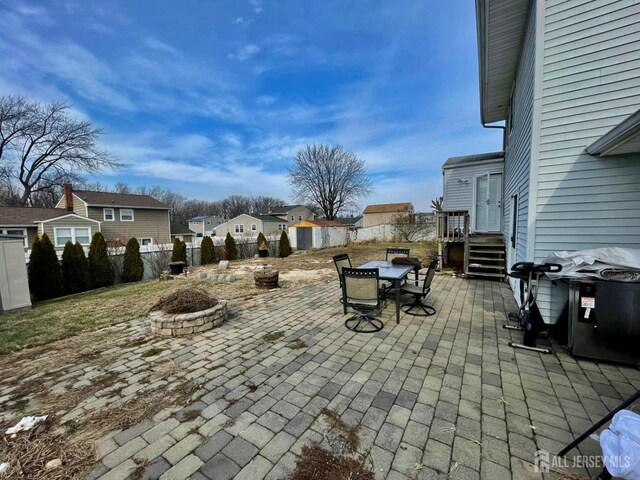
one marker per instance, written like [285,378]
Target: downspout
[504,131]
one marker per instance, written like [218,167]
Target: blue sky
[212,98]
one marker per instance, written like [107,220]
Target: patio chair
[420,290]
[361,291]
[396,252]
[342,261]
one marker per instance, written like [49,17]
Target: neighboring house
[564,76]
[122,215]
[203,225]
[473,183]
[385,214]
[291,213]
[59,224]
[181,232]
[250,224]
[352,222]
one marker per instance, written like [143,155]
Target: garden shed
[14,283]
[310,234]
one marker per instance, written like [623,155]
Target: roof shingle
[118,199]
[388,208]
[15,216]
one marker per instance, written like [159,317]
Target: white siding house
[464,182]
[564,76]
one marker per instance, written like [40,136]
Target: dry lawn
[50,321]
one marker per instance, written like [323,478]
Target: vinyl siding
[47,227]
[372,219]
[459,196]
[518,149]
[78,205]
[147,223]
[267,228]
[590,83]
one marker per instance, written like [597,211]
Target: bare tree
[412,227]
[41,146]
[330,177]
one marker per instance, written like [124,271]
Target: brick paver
[433,397]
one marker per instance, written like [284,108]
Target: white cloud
[243,22]
[257,5]
[265,100]
[245,53]
[156,44]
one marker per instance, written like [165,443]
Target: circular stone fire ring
[170,324]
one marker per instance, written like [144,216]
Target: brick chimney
[68,197]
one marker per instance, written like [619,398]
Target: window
[254,227]
[20,232]
[292,218]
[208,222]
[63,235]
[146,241]
[108,214]
[299,218]
[282,226]
[126,215]
[238,228]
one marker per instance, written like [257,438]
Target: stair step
[489,267]
[473,250]
[484,244]
[491,259]
[485,274]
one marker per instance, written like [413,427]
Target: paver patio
[433,396]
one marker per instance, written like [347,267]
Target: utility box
[604,320]
[14,283]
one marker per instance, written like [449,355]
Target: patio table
[393,273]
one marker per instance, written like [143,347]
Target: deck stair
[485,256]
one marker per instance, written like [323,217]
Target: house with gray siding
[203,225]
[121,215]
[250,224]
[564,77]
[290,213]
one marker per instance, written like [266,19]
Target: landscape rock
[224,264]
[53,464]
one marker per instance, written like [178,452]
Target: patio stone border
[169,324]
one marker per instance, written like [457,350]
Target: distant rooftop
[27,216]
[279,210]
[388,208]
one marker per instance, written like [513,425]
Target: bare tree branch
[41,144]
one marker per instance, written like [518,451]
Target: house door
[488,208]
[303,238]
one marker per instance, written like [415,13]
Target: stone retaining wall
[187,323]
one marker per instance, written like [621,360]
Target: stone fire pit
[171,324]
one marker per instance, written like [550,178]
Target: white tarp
[610,263]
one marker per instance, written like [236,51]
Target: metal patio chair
[361,291]
[396,252]
[420,290]
[342,261]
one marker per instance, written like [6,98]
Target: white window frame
[73,236]
[254,227]
[299,218]
[126,210]
[282,226]
[113,214]
[293,218]
[5,231]
[238,228]
[140,240]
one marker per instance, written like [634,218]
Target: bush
[230,249]
[75,269]
[100,268]
[179,253]
[207,251]
[285,247]
[45,276]
[132,266]
[262,242]
[186,300]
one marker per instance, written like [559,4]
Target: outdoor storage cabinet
[14,285]
[604,320]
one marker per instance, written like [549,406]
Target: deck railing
[452,226]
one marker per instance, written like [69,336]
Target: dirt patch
[317,463]
[273,336]
[347,435]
